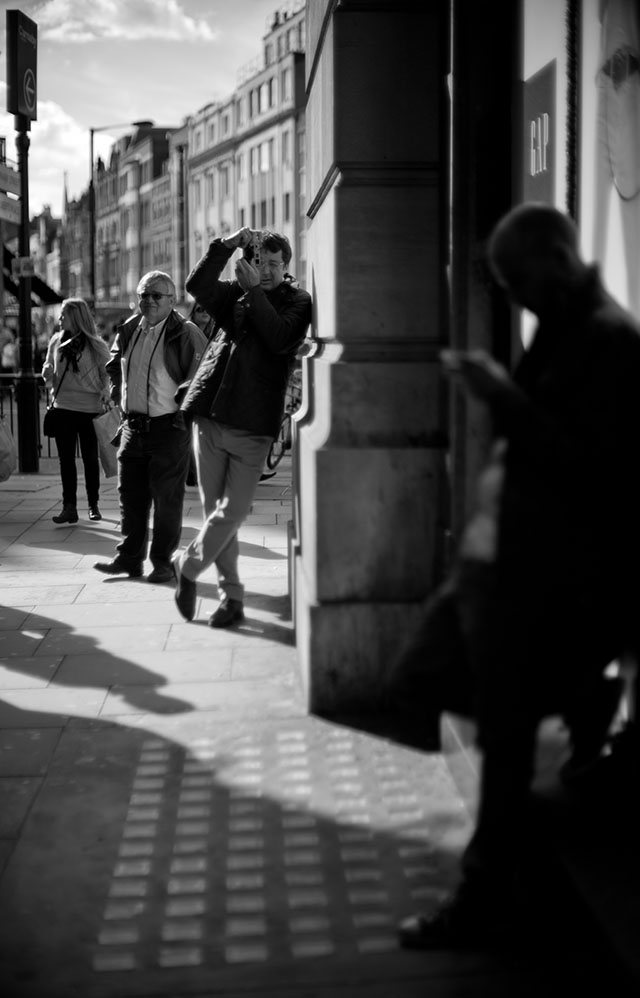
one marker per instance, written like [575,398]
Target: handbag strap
[58,386]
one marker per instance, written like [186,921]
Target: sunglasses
[156,295]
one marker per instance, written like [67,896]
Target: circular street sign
[29,90]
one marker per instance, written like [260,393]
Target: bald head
[533,253]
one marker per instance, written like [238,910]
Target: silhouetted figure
[544,591]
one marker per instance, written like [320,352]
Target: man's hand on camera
[247,275]
[239,239]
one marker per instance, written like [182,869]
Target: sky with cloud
[107,61]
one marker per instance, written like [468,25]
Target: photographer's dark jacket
[243,374]
[183,346]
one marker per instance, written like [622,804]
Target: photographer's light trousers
[229,464]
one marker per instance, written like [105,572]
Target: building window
[253,103]
[197,140]
[272,212]
[242,214]
[286,207]
[212,133]
[263,214]
[197,194]
[286,148]
[266,156]
[210,188]
[241,166]
[224,182]
[239,113]
[263,97]
[255,161]
[286,84]
[272,91]
[225,124]
[253,216]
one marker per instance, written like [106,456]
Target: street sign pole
[27,387]
[22,49]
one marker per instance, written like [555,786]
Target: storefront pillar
[369,531]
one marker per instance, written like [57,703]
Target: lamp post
[92,201]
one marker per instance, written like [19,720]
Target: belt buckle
[139,423]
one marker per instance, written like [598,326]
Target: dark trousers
[152,472]
[507,656]
[70,427]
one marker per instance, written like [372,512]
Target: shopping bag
[8,451]
[107,427]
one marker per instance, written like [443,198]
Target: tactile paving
[276,844]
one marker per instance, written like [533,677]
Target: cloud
[58,146]
[78,21]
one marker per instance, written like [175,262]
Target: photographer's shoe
[229,612]
[116,567]
[94,512]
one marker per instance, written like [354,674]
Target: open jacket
[243,375]
[183,345]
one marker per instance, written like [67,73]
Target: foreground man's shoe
[185,594]
[229,611]
[457,924]
[116,567]
[69,514]
[162,574]
[94,512]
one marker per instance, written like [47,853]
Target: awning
[41,293]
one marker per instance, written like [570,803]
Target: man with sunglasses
[153,357]
[236,398]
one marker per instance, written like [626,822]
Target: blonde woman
[74,369]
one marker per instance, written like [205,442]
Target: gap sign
[22,65]
[539,153]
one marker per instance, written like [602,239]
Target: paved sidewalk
[172,822]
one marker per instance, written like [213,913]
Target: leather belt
[141,422]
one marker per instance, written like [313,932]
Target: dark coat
[183,346]
[243,375]
[569,521]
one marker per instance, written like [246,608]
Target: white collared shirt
[147,385]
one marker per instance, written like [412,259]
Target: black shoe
[185,594]
[164,573]
[458,924]
[69,514]
[116,567]
[229,611]
[590,725]
[94,512]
